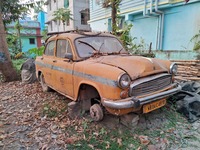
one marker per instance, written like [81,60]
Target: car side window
[63,47]
[50,48]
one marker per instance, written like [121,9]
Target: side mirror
[69,56]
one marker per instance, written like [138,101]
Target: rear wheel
[96,112]
[45,87]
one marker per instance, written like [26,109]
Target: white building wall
[75,6]
[80,5]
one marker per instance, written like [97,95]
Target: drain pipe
[161,26]
[151,6]
[157,31]
[145,14]
[145,9]
[154,15]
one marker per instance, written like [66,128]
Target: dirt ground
[31,119]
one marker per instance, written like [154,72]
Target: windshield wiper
[100,47]
[120,50]
[87,44]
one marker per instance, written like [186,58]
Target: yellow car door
[63,68]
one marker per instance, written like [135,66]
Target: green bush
[13,45]
[17,63]
[34,52]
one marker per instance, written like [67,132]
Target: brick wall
[188,70]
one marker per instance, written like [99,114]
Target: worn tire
[45,87]
[96,112]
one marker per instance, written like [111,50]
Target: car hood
[135,66]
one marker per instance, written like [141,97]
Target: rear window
[63,47]
[50,48]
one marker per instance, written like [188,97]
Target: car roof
[75,35]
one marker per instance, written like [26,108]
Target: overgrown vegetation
[124,32]
[17,63]
[13,45]
[129,42]
[86,134]
[83,133]
[34,52]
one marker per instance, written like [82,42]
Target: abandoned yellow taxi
[96,70]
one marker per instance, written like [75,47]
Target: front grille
[150,84]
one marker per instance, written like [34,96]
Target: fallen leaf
[152,147]
[107,145]
[45,147]
[6,98]
[2,137]
[1,144]
[144,140]
[119,141]
[91,146]
[139,148]
[70,140]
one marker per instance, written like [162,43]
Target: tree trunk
[6,67]
[114,16]
[64,25]
[19,35]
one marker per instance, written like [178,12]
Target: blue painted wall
[41,18]
[181,23]
[29,30]
[26,43]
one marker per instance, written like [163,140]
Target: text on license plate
[154,105]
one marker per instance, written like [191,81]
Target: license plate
[154,105]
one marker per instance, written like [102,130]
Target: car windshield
[87,46]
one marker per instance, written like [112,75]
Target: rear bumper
[134,102]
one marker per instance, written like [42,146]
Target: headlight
[173,68]
[124,81]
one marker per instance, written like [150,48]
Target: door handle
[54,61]
[66,60]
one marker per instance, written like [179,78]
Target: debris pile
[188,100]
[188,70]
[28,71]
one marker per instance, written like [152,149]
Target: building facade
[29,33]
[41,18]
[168,24]
[80,15]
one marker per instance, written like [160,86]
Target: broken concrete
[74,109]
[129,120]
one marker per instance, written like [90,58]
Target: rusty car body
[94,68]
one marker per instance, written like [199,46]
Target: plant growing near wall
[123,34]
[130,45]
[196,40]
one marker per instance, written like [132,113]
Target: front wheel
[45,87]
[96,112]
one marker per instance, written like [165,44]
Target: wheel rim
[96,112]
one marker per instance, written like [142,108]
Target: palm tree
[63,15]
[114,15]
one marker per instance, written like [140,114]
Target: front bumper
[134,102]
